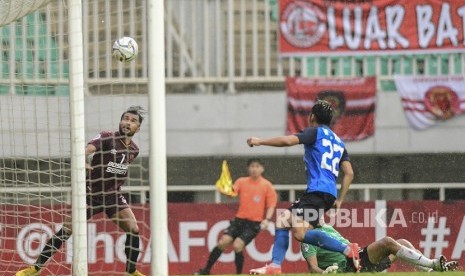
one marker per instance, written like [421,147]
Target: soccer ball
[125,49]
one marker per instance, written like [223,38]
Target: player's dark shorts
[311,206]
[244,229]
[110,204]
[366,265]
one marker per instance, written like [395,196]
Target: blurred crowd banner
[433,227]
[322,27]
[353,99]
[427,100]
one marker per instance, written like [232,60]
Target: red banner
[428,100]
[432,227]
[340,27]
[353,101]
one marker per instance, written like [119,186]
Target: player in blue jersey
[324,156]
[376,257]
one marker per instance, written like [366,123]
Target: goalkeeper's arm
[332,269]
[313,267]
[90,149]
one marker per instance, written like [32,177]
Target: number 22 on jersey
[331,158]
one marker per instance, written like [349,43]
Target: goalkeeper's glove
[331,269]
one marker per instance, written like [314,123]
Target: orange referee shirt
[255,196]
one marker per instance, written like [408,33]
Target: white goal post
[64,36]
[157,161]
[78,134]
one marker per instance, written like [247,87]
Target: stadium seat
[25,49]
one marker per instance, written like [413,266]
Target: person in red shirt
[257,203]
[111,153]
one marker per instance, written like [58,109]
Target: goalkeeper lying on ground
[376,257]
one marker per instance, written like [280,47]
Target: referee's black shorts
[244,229]
[311,206]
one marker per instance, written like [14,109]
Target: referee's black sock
[132,251]
[214,256]
[53,244]
[239,260]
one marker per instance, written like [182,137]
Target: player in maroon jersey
[111,153]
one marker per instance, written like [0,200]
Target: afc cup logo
[302,24]
[31,239]
[442,102]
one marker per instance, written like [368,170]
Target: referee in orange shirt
[257,203]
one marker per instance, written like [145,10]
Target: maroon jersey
[110,162]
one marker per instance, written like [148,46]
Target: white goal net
[11,10]
[35,139]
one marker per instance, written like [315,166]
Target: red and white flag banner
[427,100]
[321,27]
[353,99]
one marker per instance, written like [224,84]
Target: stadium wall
[200,125]
[372,168]
[204,129]
[204,170]
[225,121]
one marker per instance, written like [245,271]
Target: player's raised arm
[308,136]
[281,141]
[90,149]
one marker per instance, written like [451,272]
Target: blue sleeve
[308,136]
[345,156]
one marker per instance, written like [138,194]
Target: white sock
[413,257]
[422,268]
[347,251]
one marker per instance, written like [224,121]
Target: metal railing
[292,189]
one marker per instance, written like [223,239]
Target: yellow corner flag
[225,184]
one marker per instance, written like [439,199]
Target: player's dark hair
[136,110]
[323,112]
[254,160]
